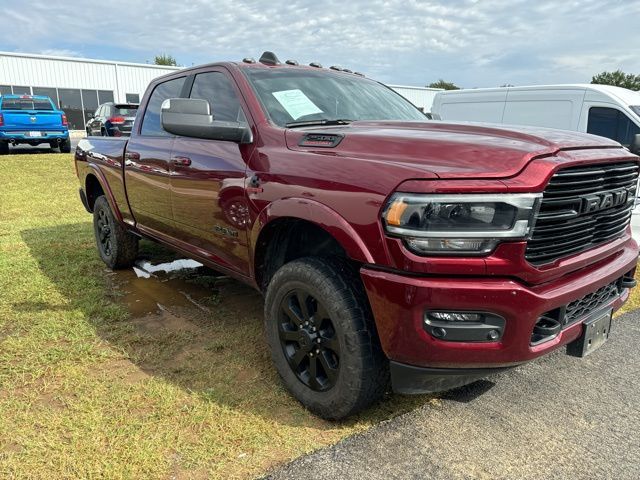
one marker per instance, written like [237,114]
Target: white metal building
[421,97]
[77,85]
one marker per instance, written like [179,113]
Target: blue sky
[474,43]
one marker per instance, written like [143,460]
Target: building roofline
[86,60]
[413,87]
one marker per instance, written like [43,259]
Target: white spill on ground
[145,269]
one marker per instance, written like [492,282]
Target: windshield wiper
[324,121]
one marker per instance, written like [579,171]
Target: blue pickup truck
[33,120]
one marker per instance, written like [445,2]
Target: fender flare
[95,170]
[318,214]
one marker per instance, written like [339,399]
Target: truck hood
[449,150]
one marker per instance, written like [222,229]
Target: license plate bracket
[595,332]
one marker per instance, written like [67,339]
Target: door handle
[181,161]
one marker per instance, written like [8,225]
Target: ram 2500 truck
[391,250]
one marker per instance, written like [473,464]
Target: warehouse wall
[80,84]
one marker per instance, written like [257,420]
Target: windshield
[292,95]
[26,104]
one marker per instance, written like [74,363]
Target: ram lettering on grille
[582,207]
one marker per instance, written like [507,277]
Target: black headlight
[463,223]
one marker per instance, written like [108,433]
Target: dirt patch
[164,320]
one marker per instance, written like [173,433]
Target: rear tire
[323,339]
[65,146]
[117,247]
[4,148]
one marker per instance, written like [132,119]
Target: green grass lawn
[88,391]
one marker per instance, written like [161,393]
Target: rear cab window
[26,104]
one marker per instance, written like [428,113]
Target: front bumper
[399,303]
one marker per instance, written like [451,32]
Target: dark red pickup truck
[390,248]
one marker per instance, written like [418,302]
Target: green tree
[618,79]
[443,84]
[165,59]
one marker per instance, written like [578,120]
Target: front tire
[117,247]
[323,339]
[4,148]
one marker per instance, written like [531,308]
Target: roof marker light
[291,62]
[248,60]
[269,58]
[315,64]
[336,67]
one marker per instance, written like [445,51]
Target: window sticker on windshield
[296,103]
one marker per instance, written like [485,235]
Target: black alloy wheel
[308,339]
[104,231]
[117,246]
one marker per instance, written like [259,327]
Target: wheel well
[287,239]
[93,190]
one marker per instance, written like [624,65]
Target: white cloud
[59,52]
[473,43]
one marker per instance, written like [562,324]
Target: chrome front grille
[582,207]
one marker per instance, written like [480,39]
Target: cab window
[151,120]
[613,124]
[217,89]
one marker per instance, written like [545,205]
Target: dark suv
[112,120]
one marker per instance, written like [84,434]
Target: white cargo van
[611,112]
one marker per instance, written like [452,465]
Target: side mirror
[635,144]
[190,117]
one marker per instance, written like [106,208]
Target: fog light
[493,335]
[439,332]
[454,326]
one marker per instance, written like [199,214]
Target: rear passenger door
[147,165]
[210,208]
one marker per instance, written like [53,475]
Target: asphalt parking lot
[557,418]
